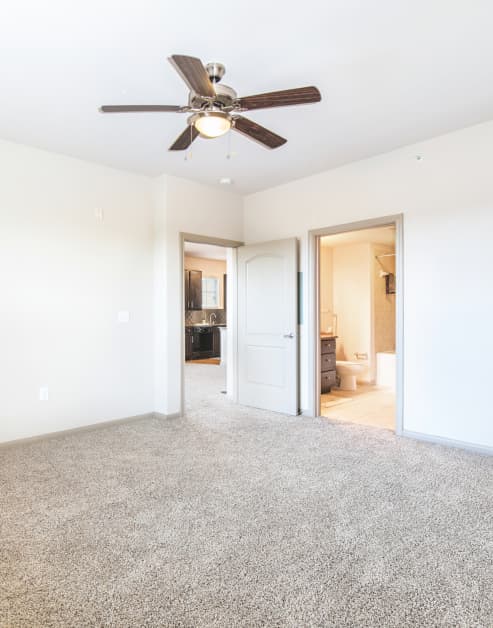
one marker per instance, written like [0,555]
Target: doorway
[209,361]
[356,323]
[259,321]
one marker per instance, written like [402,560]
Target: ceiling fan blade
[134,108]
[297,96]
[194,74]
[184,140]
[258,133]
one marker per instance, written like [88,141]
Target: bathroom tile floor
[368,405]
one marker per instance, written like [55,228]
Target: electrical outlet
[123,316]
[43,393]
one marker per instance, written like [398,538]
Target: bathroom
[357,298]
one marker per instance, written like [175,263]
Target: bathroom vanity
[327,362]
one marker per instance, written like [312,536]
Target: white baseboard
[88,428]
[448,442]
[173,415]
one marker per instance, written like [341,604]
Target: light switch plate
[43,393]
[99,214]
[123,316]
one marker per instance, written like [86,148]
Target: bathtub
[386,369]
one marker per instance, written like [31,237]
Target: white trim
[448,442]
[399,324]
[160,415]
[232,329]
[85,428]
[313,318]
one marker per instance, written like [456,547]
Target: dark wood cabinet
[188,343]
[193,289]
[216,342]
[202,342]
[327,364]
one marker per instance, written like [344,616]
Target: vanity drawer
[328,379]
[327,361]
[328,345]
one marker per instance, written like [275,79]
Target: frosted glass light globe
[212,124]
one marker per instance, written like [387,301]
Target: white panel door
[267,326]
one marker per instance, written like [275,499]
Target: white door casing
[268,325]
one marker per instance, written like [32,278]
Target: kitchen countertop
[325,336]
[205,325]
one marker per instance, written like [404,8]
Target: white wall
[447,202]
[65,275]
[183,206]
[63,278]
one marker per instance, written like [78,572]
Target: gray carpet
[236,517]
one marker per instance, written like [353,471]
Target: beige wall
[352,301]
[383,303]
[326,300]
[210,268]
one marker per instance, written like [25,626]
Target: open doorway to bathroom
[209,280]
[357,290]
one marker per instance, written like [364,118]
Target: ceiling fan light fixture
[212,124]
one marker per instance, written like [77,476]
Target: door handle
[290,335]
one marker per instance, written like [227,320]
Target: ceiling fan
[215,108]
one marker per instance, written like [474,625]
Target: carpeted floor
[236,517]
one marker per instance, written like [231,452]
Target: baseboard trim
[173,415]
[449,442]
[88,428]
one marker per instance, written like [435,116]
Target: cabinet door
[195,287]
[186,279]
[188,345]
[216,342]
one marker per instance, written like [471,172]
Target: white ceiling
[391,73]
[205,251]
[378,235]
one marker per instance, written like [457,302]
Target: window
[210,293]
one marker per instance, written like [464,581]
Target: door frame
[232,296]
[313,331]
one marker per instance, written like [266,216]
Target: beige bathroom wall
[383,303]
[326,297]
[352,301]
[210,268]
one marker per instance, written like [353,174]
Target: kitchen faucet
[210,318]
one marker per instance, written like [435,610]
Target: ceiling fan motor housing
[215,71]
[225,98]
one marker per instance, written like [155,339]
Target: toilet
[348,371]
